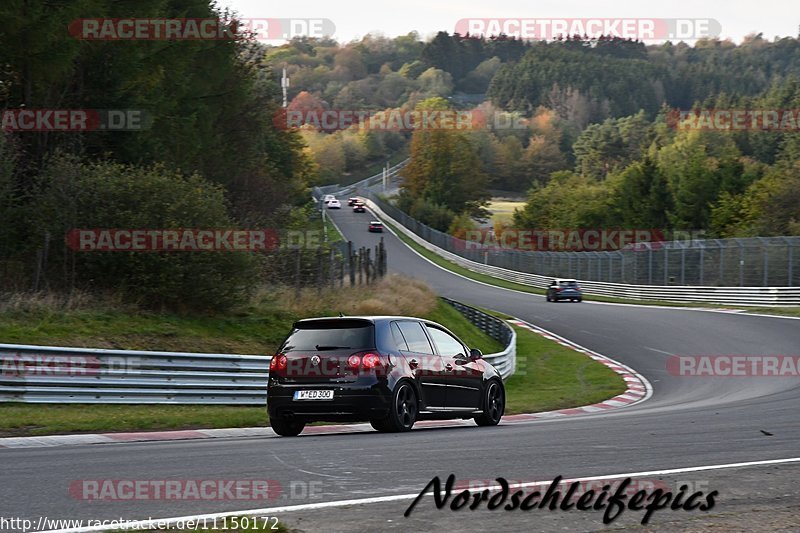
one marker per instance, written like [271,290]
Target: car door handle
[413,363]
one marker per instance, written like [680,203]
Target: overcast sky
[354,19]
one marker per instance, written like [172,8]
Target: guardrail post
[298,259]
[741,265]
[351,263]
[702,260]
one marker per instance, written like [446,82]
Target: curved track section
[689,421]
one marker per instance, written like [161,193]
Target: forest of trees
[596,146]
[585,128]
[211,156]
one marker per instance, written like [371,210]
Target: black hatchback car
[388,370]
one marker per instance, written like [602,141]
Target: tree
[542,157]
[640,197]
[444,167]
[569,200]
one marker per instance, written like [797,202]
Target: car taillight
[558,289]
[577,287]
[354,361]
[278,362]
[365,361]
[370,361]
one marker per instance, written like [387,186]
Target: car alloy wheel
[406,406]
[403,411]
[494,405]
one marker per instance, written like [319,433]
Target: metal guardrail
[506,361]
[48,374]
[318,192]
[745,296]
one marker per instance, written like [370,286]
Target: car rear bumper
[350,403]
[564,295]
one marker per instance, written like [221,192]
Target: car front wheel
[493,405]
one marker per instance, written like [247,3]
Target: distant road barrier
[745,296]
[371,181]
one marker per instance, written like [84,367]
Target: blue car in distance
[564,289]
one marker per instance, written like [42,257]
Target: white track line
[271,511]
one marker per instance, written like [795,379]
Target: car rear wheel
[494,405]
[286,428]
[403,411]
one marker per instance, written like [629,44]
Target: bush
[75,194]
[434,215]
[461,225]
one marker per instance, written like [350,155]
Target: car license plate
[313,395]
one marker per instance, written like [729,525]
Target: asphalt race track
[688,422]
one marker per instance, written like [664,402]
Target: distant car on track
[359,207]
[327,198]
[388,370]
[352,201]
[376,226]
[564,289]
[334,204]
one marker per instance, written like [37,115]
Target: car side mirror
[475,354]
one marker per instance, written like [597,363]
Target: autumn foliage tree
[445,169]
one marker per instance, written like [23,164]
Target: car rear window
[331,335]
[570,284]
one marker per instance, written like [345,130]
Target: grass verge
[258,329]
[551,376]
[25,419]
